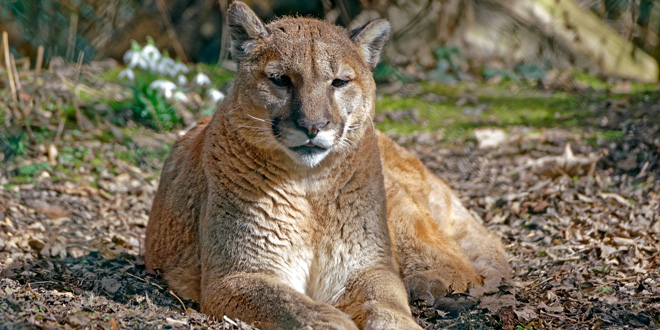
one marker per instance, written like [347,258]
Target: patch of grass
[148,107]
[111,74]
[13,145]
[384,72]
[34,168]
[144,156]
[73,155]
[218,75]
[21,179]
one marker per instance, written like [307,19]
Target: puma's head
[303,87]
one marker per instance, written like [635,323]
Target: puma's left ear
[245,29]
[370,38]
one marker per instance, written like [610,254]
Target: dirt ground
[582,228]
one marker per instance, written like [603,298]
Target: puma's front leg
[376,299]
[260,298]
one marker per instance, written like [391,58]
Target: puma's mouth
[308,148]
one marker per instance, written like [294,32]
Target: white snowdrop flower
[215,95]
[181,80]
[180,97]
[201,79]
[180,67]
[152,55]
[164,87]
[142,63]
[166,66]
[128,56]
[127,74]
[133,57]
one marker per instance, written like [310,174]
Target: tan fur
[288,209]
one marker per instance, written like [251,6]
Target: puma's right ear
[370,38]
[245,29]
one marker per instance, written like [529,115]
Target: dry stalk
[71,42]
[60,129]
[40,59]
[10,74]
[79,87]
[17,79]
[178,49]
[19,88]
[76,76]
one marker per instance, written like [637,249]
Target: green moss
[612,135]
[444,89]
[599,84]
[590,80]
[496,107]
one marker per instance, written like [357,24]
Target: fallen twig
[557,258]
[181,301]
[558,316]
[145,280]
[114,323]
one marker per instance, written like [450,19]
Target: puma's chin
[308,155]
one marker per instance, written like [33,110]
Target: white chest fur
[312,260]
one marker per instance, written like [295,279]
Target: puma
[289,210]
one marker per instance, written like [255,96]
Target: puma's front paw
[434,286]
[400,324]
[324,317]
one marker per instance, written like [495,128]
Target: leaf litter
[580,221]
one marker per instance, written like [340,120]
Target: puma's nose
[311,129]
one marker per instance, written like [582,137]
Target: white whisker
[373,127]
[263,129]
[260,119]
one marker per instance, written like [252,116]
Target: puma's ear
[245,29]
[370,38]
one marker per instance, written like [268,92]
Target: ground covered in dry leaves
[579,215]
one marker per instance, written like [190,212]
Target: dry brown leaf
[566,164]
[526,314]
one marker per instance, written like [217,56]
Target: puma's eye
[339,82]
[280,80]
